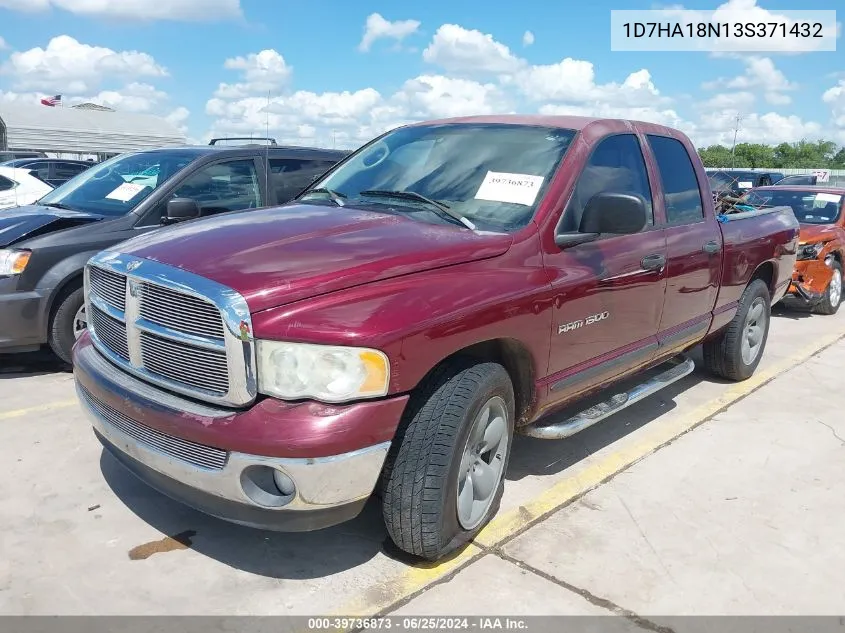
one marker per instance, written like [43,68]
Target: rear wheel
[68,323]
[833,295]
[444,477]
[737,351]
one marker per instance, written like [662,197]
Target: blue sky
[433,59]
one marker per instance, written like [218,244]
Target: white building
[88,131]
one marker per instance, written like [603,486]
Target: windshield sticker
[515,188]
[827,197]
[746,184]
[126,192]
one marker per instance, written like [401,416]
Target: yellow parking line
[413,579]
[41,408]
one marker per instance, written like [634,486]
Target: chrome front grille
[180,312]
[180,360]
[109,286]
[172,328]
[197,454]
[110,331]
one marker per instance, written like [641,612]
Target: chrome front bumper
[228,488]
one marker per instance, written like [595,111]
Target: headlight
[13,261]
[292,371]
[810,251]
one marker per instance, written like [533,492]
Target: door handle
[711,247]
[653,262]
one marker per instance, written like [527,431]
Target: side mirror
[614,213]
[180,209]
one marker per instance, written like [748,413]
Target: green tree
[715,156]
[755,155]
[804,154]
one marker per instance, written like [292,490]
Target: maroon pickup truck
[448,285]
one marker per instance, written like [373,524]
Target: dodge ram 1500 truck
[388,331]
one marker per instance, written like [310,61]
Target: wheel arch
[518,362]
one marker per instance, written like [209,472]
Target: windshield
[797,180]
[809,207]
[491,174]
[118,185]
[719,180]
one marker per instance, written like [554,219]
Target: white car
[18,187]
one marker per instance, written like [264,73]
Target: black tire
[723,355]
[61,337]
[830,305]
[419,488]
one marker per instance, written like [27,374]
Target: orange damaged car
[817,278]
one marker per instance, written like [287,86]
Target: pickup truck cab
[449,284]
[44,246]
[817,278]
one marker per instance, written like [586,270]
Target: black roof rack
[272,141]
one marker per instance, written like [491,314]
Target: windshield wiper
[335,196]
[58,205]
[413,195]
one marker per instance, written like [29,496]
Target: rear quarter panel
[768,238]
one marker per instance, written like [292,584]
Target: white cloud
[835,97]
[3,44]
[484,76]
[778,98]
[760,76]
[182,10]
[377,28]
[573,81]
[769,128]
[466,51]
[737,102]
[352,118]
[527,38]
[135,97]
[178,118]
[435,96]
[70,67]
[260,73]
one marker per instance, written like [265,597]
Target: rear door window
[681,192]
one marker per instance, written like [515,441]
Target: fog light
[266,486]
[284,483]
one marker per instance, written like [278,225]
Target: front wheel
[833,294]
[444,478]
[737,351]
[68,323]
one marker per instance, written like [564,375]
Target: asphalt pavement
[710,498]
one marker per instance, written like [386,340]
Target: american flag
[52,101]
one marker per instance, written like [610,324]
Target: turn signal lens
[13,262]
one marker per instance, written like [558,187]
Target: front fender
[419,320]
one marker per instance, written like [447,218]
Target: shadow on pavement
[533,456]
[796,314]
[31,364]
[301,556]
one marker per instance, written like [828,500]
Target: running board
[682,366]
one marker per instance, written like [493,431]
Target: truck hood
[277,256]
[812,233]
[19,223]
